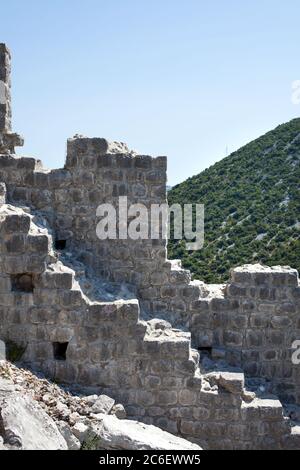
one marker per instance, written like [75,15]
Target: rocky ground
[38,414]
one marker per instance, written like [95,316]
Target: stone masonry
[211,363]
[8,140]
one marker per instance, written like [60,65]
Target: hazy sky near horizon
[190,79]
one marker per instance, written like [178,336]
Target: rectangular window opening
[205,350]
[60,244]
[60,351]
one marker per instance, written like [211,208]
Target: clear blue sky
[179,78]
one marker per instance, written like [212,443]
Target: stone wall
[252,323]
[255,318]
[95,174]
[148,366]
[69,198]
[8,140]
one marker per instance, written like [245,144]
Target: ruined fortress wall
[69,199]
[102,177]
[255,318]
[146,365]
[253,324]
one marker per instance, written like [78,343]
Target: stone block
[270,355]
[203,339]
[43,351]
[285,308]
[201,413]
[152,382]
[166,398]
[102,312]
[2,193]
[154,411]
[142,161]
[259,320]
[16,223]
[129,311]
[236,290]
[190,292]
[262,278]
[15,264]
[265,293]
[180,276]
[35,264]
[275,337]
[239,321]
[187,397]
[61,334]
[233,338]
[41,180]
[21,195]
[178,305]
[220,305]
[145,398]
[241,276]
[168,291]
[220,320]
[247,306]
[237,432]
[252,369]
[254,338]
[167,425]
[64,280]
[281,322]
[188,428]
[181,412]
[233,382]
[5,284]
[289,277]
[200,305]
[38,243]
[200,320]
[270,409]
[71,298]
[178,348]
[169,382]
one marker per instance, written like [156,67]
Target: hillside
[252,207]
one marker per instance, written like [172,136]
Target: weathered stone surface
[72,442]
[131,435]
[2,193]
[103,404]
[232,381]
[80,431]
[119,411]
[26,426]
[8,140]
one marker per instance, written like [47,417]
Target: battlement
[257,275]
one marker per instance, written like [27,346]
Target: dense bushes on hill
[252,207]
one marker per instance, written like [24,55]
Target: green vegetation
[252,207]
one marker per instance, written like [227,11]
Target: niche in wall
[22,282]
[60,351]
